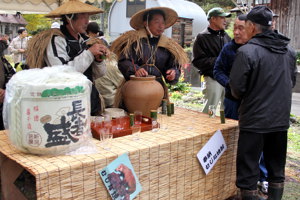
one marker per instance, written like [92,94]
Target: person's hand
[21,50]
[99,50]
[171,73]
[128,177]
[2,94]
[141,72]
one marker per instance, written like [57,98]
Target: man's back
[264,74]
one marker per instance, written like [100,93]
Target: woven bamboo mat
[164,161]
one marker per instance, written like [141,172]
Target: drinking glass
[96,125]
[120,121]
[98,121]
[212,111]
[138,117]
[106,138]
[155,125]
[107,121]
[163,121]
[136,130]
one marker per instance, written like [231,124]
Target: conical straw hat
[73,7]
[137,23]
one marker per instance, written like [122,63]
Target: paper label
[212,151]
[54,121]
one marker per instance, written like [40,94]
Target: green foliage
[176,95]
[180,86]
[198,94]
[34,32]
[294,139]
[229,28]
[206,5]
[36,23]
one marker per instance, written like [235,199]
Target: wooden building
[288,22]
[10,24]
[182,31]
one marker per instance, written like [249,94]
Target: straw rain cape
[37,47]
[122,45]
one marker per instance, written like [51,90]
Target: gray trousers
[213,93]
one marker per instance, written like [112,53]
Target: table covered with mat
[165,163]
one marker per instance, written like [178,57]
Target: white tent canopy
[27,6]
[32,6]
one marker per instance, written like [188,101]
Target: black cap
[242,17]
[93,27]
[261,15]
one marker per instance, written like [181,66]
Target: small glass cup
[138,117]
[106,138]
[96,125]
[212,111]
[163,121]
[120,120]
[155,125]
[107,120]
[136,130]
[98,121]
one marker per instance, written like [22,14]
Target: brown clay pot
[142,94]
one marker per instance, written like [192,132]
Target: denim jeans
[262,169]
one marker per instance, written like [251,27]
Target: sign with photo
[120,179]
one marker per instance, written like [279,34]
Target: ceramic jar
[142,94]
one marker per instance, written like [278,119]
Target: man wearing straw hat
[68,46]
[146,51]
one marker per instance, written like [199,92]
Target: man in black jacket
[262,76]
[207,47]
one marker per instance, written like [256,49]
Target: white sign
[212,151]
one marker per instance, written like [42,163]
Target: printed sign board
[212,151]
[120,179]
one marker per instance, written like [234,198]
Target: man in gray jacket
[262,76]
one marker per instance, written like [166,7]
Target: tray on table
[125,125]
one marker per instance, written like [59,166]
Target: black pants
[250,146]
